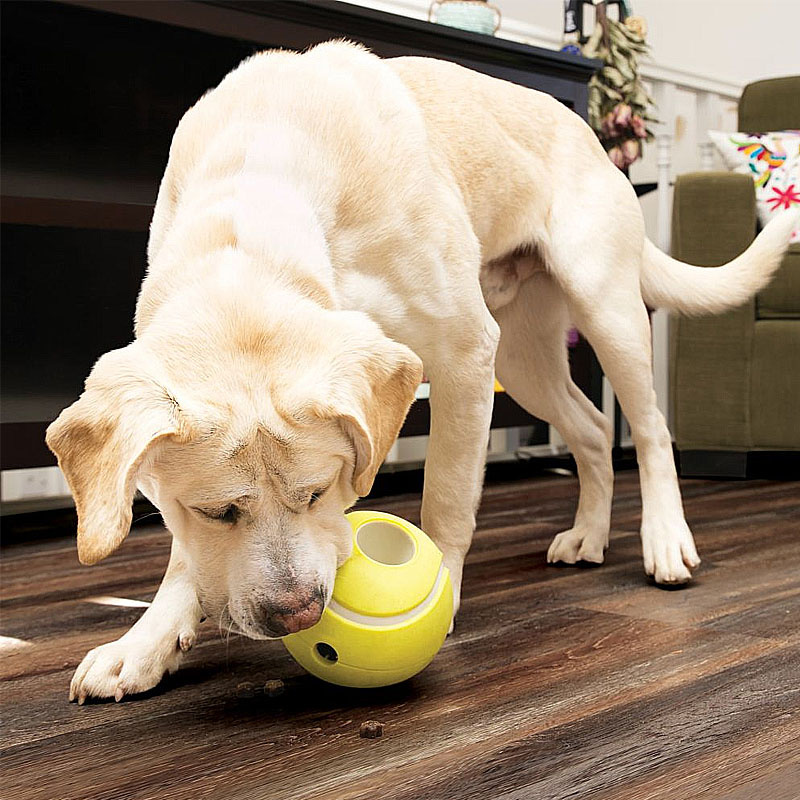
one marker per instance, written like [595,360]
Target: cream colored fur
[328,223]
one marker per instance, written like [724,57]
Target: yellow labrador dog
[328,223]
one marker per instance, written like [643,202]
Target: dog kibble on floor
[274,688]
[245,690]
[371,729]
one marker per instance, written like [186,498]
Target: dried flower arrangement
[619,105]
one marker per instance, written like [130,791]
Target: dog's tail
[671,284]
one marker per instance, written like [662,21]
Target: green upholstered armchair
[736,377]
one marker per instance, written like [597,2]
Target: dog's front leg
[462,393]
[139,660]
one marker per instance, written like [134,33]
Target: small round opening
[327,652]
[385,543]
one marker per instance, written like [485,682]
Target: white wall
[733,40]
[729,40]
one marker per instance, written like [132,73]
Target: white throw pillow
[773,161]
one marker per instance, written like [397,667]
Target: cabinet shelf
[75,213]
[89,199]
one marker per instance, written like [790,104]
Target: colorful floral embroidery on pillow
[761,160]
[773,160]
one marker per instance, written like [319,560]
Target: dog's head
[251,444]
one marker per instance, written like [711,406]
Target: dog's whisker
[224,621]
[228,640]
[147,516]
[230,626]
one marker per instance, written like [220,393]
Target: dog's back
[379,131]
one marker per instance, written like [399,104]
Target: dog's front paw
[578,544]
[130,665]
[669,552]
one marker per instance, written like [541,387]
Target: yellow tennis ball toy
[390,612]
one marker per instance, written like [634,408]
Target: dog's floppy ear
[371,400]
[101,441]
[367,386]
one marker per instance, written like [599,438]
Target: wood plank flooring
[559,682]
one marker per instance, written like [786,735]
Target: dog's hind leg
[596,264]
[533,367]
[620,335]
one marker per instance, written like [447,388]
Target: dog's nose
[294,614]
[299,620]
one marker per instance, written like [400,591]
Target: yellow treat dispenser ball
[391,608]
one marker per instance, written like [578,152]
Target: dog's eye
[315,495]
[229,514]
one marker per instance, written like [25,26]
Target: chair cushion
[775,384]
[781,299]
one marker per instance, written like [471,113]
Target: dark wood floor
[559,682]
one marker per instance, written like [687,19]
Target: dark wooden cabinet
[91,93]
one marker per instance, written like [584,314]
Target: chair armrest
[714,220]
[713,217]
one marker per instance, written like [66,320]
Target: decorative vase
[477,16]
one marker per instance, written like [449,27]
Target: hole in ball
[327,652]
[385,543]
